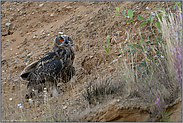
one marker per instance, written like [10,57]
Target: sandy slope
[27,33]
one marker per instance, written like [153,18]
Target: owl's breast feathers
[66,56]
[54,63]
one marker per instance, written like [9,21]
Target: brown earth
[27,33]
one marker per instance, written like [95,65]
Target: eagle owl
[52,68]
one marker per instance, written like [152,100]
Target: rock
[68,8]
[7,24]
[13,40]
[114,61]
[40,5]
[44,36]
[3,61]
[91,23]
[13,87]
[60,33]
[52,15]
[29,54]
[64,107]
[35,36]
[44,10]
[42,31]
[79,17]
[57,10]
[11,18]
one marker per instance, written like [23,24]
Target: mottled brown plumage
[52,68]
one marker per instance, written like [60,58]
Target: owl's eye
[61,39]
[69,39]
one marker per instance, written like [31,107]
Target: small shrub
[97,89]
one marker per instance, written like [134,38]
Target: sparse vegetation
[152,78]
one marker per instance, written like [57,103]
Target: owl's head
[62,41]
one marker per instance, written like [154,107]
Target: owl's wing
[49,70]
[49,66]
[31,67]
[48,56]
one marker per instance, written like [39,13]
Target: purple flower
[156,103]
[179,48]
[179,56]
[180,15]
[157,99]
[174,49]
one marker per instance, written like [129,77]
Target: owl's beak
[66,42]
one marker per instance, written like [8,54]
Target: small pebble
[35,36]
[15,61]
[52,15]
[68,7]
[152,13]
[7,24]
[10,99]
[13,88]
[64,107]
[42,31]
[118,100]
[60,33]
[29,54]
[30,100]
[44,10]
[44,36]
[114,61]
[40,5]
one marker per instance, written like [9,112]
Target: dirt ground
[27,33]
